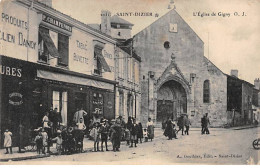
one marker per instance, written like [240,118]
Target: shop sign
[6,36]
[15,98]
[57,23]
[10,71]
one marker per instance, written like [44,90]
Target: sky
[230,42]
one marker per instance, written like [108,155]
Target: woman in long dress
[150,129]
[169,130]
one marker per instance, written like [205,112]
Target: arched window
[206,91]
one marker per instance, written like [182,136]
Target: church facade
[176,78]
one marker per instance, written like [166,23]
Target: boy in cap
[59,141]
[104,133]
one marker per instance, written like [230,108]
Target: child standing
[96,136]
[59,141]
[145,134]
[133,131]
[104,133]
[8,141]
[44,140]
[127,136]
[38,140]
[81,127]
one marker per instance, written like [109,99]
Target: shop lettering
[10,71]
[14,21]
[107,55]
[79,58]
[98,102]
[25,42]
[56,23]
[81,45]
[7,37]
[15,96]
[21,40]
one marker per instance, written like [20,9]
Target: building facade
[176,77]
[128,92]
[240,101]
[50,60]
[128,98]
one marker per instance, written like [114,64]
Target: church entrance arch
[171,101]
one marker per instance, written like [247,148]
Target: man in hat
[203,125]
[180,123]
[79,114]
[207,123]
[187,124]
[116,131]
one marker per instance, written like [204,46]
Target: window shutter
[63,48]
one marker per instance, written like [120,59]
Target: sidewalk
[87,147]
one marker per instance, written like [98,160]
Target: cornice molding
[65,18]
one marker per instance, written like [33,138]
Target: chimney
[257,83]
[106,22]
[46,2]
[234,73]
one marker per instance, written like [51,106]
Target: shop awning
[102,60]
[73,79]
[49,43]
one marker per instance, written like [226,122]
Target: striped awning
[101,59]
[49,43]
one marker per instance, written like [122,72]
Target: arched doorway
[171,101]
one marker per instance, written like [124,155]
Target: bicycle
[31,147]
[256,143]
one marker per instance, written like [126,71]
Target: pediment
[172,72]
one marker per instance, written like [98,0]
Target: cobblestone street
[222,146]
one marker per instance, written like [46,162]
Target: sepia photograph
[129,82]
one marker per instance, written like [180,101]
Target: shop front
[28,90]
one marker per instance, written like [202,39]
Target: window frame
[42,48]
[206,91]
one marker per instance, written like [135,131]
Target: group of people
[69,139]
[171,130]
[117,130]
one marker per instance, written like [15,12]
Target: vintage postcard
[133,82]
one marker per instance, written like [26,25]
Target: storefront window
[60,101]
[98,103]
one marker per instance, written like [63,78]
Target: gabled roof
[168,13]
[118,20]
[241,80]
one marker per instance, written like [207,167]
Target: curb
[24,158]
[254,126]
[42,156]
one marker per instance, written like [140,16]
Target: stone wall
[187,50]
